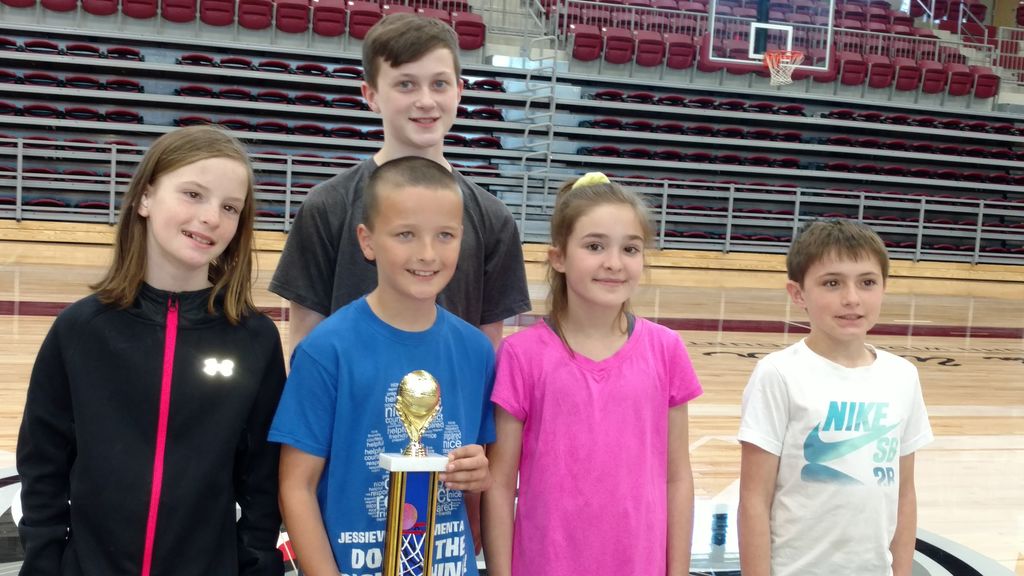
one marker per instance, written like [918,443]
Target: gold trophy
[412,485]
[418,401]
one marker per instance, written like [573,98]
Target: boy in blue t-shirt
[337,413]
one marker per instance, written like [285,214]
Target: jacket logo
[212,366]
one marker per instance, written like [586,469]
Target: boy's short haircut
[402,38]
[821,239]
[403,173]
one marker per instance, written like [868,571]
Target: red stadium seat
[933,77]
[60,5]
[42,111]
[271,127]
[195,91]
[240,124]
[123,115]
[650,48]
[880,71]
[361,17]
[178,11]
[311,69]
[680,51]
[42,47]
[42,79]
[960,79]
[217,12]
[274,66]
[124,85]
[350,72]
[82,113]
[237,62]
[986,82]
[310,129]
[586,42]
[255,14]
[907,74]
[273,97]
[292,16]
[140,9]
[619,46]
[329,18]
[125,53]
[83,49]
[852,69]
[471,30]
[83,82]
[311,99]
[100,7]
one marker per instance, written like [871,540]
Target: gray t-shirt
[323,269]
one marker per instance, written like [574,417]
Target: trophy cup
[412,486]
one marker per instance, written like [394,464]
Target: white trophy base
[400,463]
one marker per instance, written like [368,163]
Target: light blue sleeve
[305,416]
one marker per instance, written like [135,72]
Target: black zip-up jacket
[152,421]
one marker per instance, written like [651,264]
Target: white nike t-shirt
[839,433]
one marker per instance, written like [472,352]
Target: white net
[780,64]
[412,556]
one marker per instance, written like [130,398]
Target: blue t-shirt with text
[339,404]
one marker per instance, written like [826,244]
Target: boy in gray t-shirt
[412,80]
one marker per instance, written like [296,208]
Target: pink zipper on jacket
[170,337]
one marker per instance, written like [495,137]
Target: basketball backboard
[740,31]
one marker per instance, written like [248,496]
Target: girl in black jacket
[149,402]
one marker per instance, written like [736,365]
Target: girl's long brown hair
[231,272]
[571,205]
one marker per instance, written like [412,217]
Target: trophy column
[412,483]
[412,504]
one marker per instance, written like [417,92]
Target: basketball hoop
[780,64]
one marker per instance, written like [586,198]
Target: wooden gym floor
[962,326]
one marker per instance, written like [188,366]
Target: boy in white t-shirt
[830,425]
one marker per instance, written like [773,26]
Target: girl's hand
[467,469]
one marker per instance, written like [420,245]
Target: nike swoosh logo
[817,450]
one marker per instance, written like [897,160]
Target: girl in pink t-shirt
[591,411]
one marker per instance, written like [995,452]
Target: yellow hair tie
[590,179]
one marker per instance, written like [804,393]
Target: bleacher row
[862,27]
[857,14]
[348,102]
[624,15]
[301,115]
[679,52]
[325,18]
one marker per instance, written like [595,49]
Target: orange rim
[773,58]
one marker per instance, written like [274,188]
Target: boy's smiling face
[417,102]
[415,240]
[843,300]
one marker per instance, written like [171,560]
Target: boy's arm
[499,502]
[300,474]
[468,471]
[758,471]
[680,492]
[301,321]
[494,332]
[903,542]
